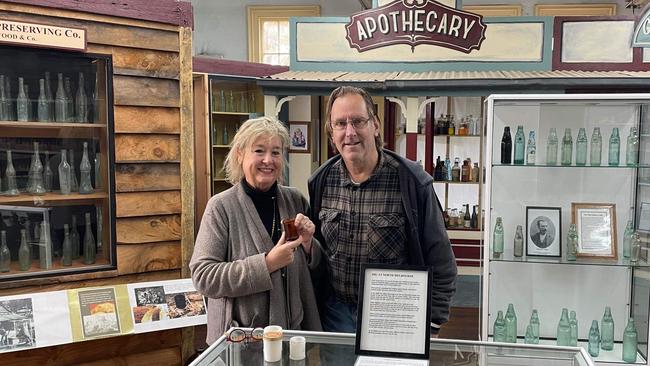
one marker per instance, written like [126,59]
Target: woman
[249,280]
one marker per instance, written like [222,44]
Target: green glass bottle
[614,148]
[24,254]
[520,145]
[581,147]
[511,324]
[573,325]
[45,246]
[564,329]
[500,328]
[607,330]
[630,342]
[594,339]
[567,147]
[90,248]
[572,243]
[628,236]
[551,147]
[534,323]
[635,251]
[75,239]
[66,257]
[5,254]
[596,152]
[497,239]
[519,242]
[531,150]
[529,338]
[632,147]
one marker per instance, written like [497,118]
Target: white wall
[300,163]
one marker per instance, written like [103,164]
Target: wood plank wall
[150,74]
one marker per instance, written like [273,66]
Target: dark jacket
[427,242]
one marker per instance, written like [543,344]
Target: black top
[267,208]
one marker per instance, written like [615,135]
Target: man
[542,238]
[372,206]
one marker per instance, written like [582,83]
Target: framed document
[596,225]
[644,217]
[394,311]
[543,231]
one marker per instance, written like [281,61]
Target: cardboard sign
[42,35]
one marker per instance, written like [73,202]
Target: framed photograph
[544,231]
[596,225]
[299,137]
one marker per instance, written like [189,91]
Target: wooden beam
[147,203]
[148,257]
[147,148]
[147,120]
[147,92]
[147,177]
[140,62]
[148,229]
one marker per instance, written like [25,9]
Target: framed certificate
[596,225]
[644,217]
[394,311]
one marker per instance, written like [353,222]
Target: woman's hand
[281,255]
[306,230]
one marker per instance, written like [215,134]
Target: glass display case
[442,352]
[566,222]
[56,163]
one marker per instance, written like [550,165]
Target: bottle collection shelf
[496,165]
[458,136]
[52,197]
[581,261]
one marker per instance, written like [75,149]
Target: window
[268,31]
[575,9]
[513,10]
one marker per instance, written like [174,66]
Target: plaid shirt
[361,223]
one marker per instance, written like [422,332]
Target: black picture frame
[549,220]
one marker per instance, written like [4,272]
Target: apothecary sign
[42,35]
[415,22]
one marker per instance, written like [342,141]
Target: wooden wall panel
[140,62]
[149,257]
[147,120]
[163,357]
[148,203]
[147,148]
[148,229]
[147,177]
[148,92]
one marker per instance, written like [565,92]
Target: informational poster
[165,305]
[99,312]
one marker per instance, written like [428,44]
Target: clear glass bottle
[519,242]
[74,186]
[43,109]
[534,323]
[531,150]
[506,146]
[45,246]
[449,173]
[5,254]
[81,101]
[607,330]
[614,148]
[595,156]
[567,147]
[564,329]
[243,102]
[98,170]
[632,148]
[11,111]
[10,177]
[628,237]
[594,339]
[500,328]
[573,324]
[36,173]
[476,171]
[520,145]
[97,115]
[630,342]
[224,135]
[455,170]
[85,184]
[529,338]
[60,101]
[75,239]
[48,174]
[90,249]
[22,102]
[3,100]
[64,173]
[572,243]
[24,254]
[30,109]
[66,247]
[497,239]
[100,228]
[49,97]
[581,147]
[69,100]
[222,101]
[511,324]
[231,103]
[636,249]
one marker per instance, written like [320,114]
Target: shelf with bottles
[467,126]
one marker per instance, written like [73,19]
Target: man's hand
[306,230]
[281,255]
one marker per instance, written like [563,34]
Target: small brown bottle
[290,230]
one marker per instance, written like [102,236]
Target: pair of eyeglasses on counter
[237,335]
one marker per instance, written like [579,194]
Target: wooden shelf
[220,179]
[452,182]
[246,114]
[52,197]
[14,267]
[59,125]
[458,136]
[221,146]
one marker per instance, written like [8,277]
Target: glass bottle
[69,100]
[519,242]
[49,97]
[567,147]
[85,184]
[506,146]
[100,228]
[251,105]
[81,101]
[74,186]
[448,174]
[520,145]
[534,324]
[43,109]
[231,103]
[10,177]
[497,238]
[461,219]
[607,330]
[636,248]
[511,324]
[98,170]
[467,218]
[529,338]
[473,221]
[437,170]
[30,109]
[74,239]
[632,148]
[97,101]
[66,248]
[475,173]
[48,174]
[614,149]
[22,103]
[466,171]
[45,246]
[64,173]
[36,173]
[531,150]
[60,101]
[581,147]
[630,342]
[564,329]
[573,324]
[3,100]
[500,328]
[628,236]
[455,170]
[595,155]
[243,101]
[222,101]
[572,243]
[90,250]
[594,339]
[11,111]
[24,255]
[5,254]
[224,135]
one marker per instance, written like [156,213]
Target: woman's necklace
[273,224]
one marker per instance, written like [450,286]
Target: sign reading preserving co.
[415,22]
[42,35]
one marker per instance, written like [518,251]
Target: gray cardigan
[229,268]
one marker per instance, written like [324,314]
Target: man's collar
[345,175]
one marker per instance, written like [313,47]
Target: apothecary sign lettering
[42,35]
[415,22]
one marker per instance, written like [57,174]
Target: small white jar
[273,343]
[297,348]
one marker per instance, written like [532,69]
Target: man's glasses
[237,335]
[357,123]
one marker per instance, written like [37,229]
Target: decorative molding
[575,9]
[514,10]
[401,105]
[278,106]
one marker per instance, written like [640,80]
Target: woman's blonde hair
[246,135]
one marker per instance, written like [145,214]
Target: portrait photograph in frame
[543,231]
[299,137]
[596,226]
